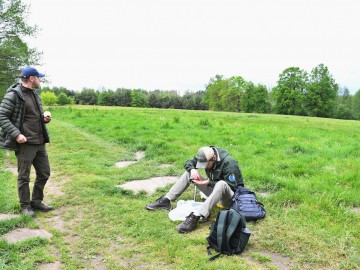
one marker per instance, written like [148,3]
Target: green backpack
[228,234]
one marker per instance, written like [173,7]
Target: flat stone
[139,155]
[123,164]
[149,185]
[50,266]
[25,233]
[12,170]
[8,216]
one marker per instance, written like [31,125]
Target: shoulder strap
[221,229]
[236,217]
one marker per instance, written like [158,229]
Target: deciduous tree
[14,51]
[213,92]
[356,105]
[231,95]
[321,93]
[289,94]
[255,99]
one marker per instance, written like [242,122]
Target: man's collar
[217,154]
[24,88]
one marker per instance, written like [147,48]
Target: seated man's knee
[220,184]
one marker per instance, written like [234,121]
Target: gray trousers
[220,193]
[28,155]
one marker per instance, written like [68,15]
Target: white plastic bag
[183,209]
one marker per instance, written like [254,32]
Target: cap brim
[41,75]
[202,165]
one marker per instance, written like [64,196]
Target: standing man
[223,178]
[23,130]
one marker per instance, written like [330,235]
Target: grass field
[305,170]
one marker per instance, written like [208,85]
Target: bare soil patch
[8,216]
[56,221]
[53,188]
[149,185]
[50,266]
[356,209]
[11,167]
[98,263]
[279,261]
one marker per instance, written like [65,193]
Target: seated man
[224,176]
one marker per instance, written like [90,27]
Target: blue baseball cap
[30,71]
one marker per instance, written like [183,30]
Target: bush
[63,99]
[48,98]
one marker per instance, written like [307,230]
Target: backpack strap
[221,229]
[213,257]
[236,217]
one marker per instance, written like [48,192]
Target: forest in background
[296,93]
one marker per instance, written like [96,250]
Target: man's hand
[201,182]
[196,178]
[195,175]
[21,139]
[47,118]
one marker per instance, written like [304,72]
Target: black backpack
[228,234]
[244,201]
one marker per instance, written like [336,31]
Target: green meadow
[306,171]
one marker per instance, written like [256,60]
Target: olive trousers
[32,155]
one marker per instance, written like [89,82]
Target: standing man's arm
[7,108]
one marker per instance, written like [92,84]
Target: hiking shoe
[189,224]
[42,207]
[162,203]
[28,212]
[203,219]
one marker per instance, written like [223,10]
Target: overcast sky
[181,44]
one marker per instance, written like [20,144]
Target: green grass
[305,170]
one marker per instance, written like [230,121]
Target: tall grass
[305,170]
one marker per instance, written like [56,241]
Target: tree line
[297,92]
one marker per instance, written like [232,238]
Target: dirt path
[54,220]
